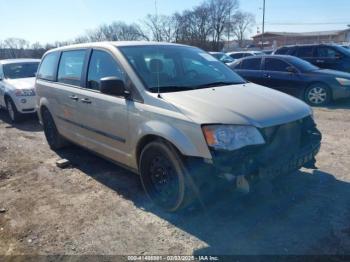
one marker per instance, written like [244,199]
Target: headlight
[343,81]
[231,137]
[25,92]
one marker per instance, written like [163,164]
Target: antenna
[158,66]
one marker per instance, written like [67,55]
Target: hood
[246,104]
[333,73]
[22,83]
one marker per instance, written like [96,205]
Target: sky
[59,20]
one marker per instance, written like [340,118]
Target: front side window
[47,70]
[251,64]
[20,70]
[327,52]
[278,65]
[102,65]
[177,68]
[71,67]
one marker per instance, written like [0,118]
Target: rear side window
[102,65]
[272,64]
[282,51]
[71,67]
[48,66]
[251,64]
[305,51]
[237,56]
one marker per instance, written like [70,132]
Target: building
[277,39]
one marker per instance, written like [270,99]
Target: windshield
[178,68]
[20,70]
[303,65]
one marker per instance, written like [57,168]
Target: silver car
[17,78]
[174,114]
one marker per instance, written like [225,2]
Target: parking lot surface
[96,207]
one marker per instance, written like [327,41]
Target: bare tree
[15,47]
[117,31]
[220,15]
[242,23]
[160,28]
[192,26]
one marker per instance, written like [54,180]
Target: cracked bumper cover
[288,148]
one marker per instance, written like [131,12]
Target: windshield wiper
[175,88]
[219,83]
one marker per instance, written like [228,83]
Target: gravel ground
[95,207]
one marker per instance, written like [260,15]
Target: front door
[278,75]
[327,57]
[103,117]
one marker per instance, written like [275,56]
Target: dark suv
[322,55]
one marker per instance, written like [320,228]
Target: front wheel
[318,95]
[164,176]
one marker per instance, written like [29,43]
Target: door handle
[86,101]
[319,61]
[74,97]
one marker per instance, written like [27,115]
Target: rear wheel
[164,176]
[54,139]
[318,95]
[14,115]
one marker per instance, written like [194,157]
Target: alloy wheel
[317,95]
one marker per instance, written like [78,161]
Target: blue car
[296,77]
[326,56]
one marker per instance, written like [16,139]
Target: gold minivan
[173,114]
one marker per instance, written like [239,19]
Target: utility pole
[263,27]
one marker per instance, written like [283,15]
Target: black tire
[164,176]
[318,94]
[54,139]
[12,111]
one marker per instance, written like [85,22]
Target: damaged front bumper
[288,148]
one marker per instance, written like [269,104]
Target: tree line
[206,26]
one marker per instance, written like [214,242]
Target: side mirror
[291,69]
[113,86]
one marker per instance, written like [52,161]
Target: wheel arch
[43,105]
[319,82]
[157,130]
[6,97]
